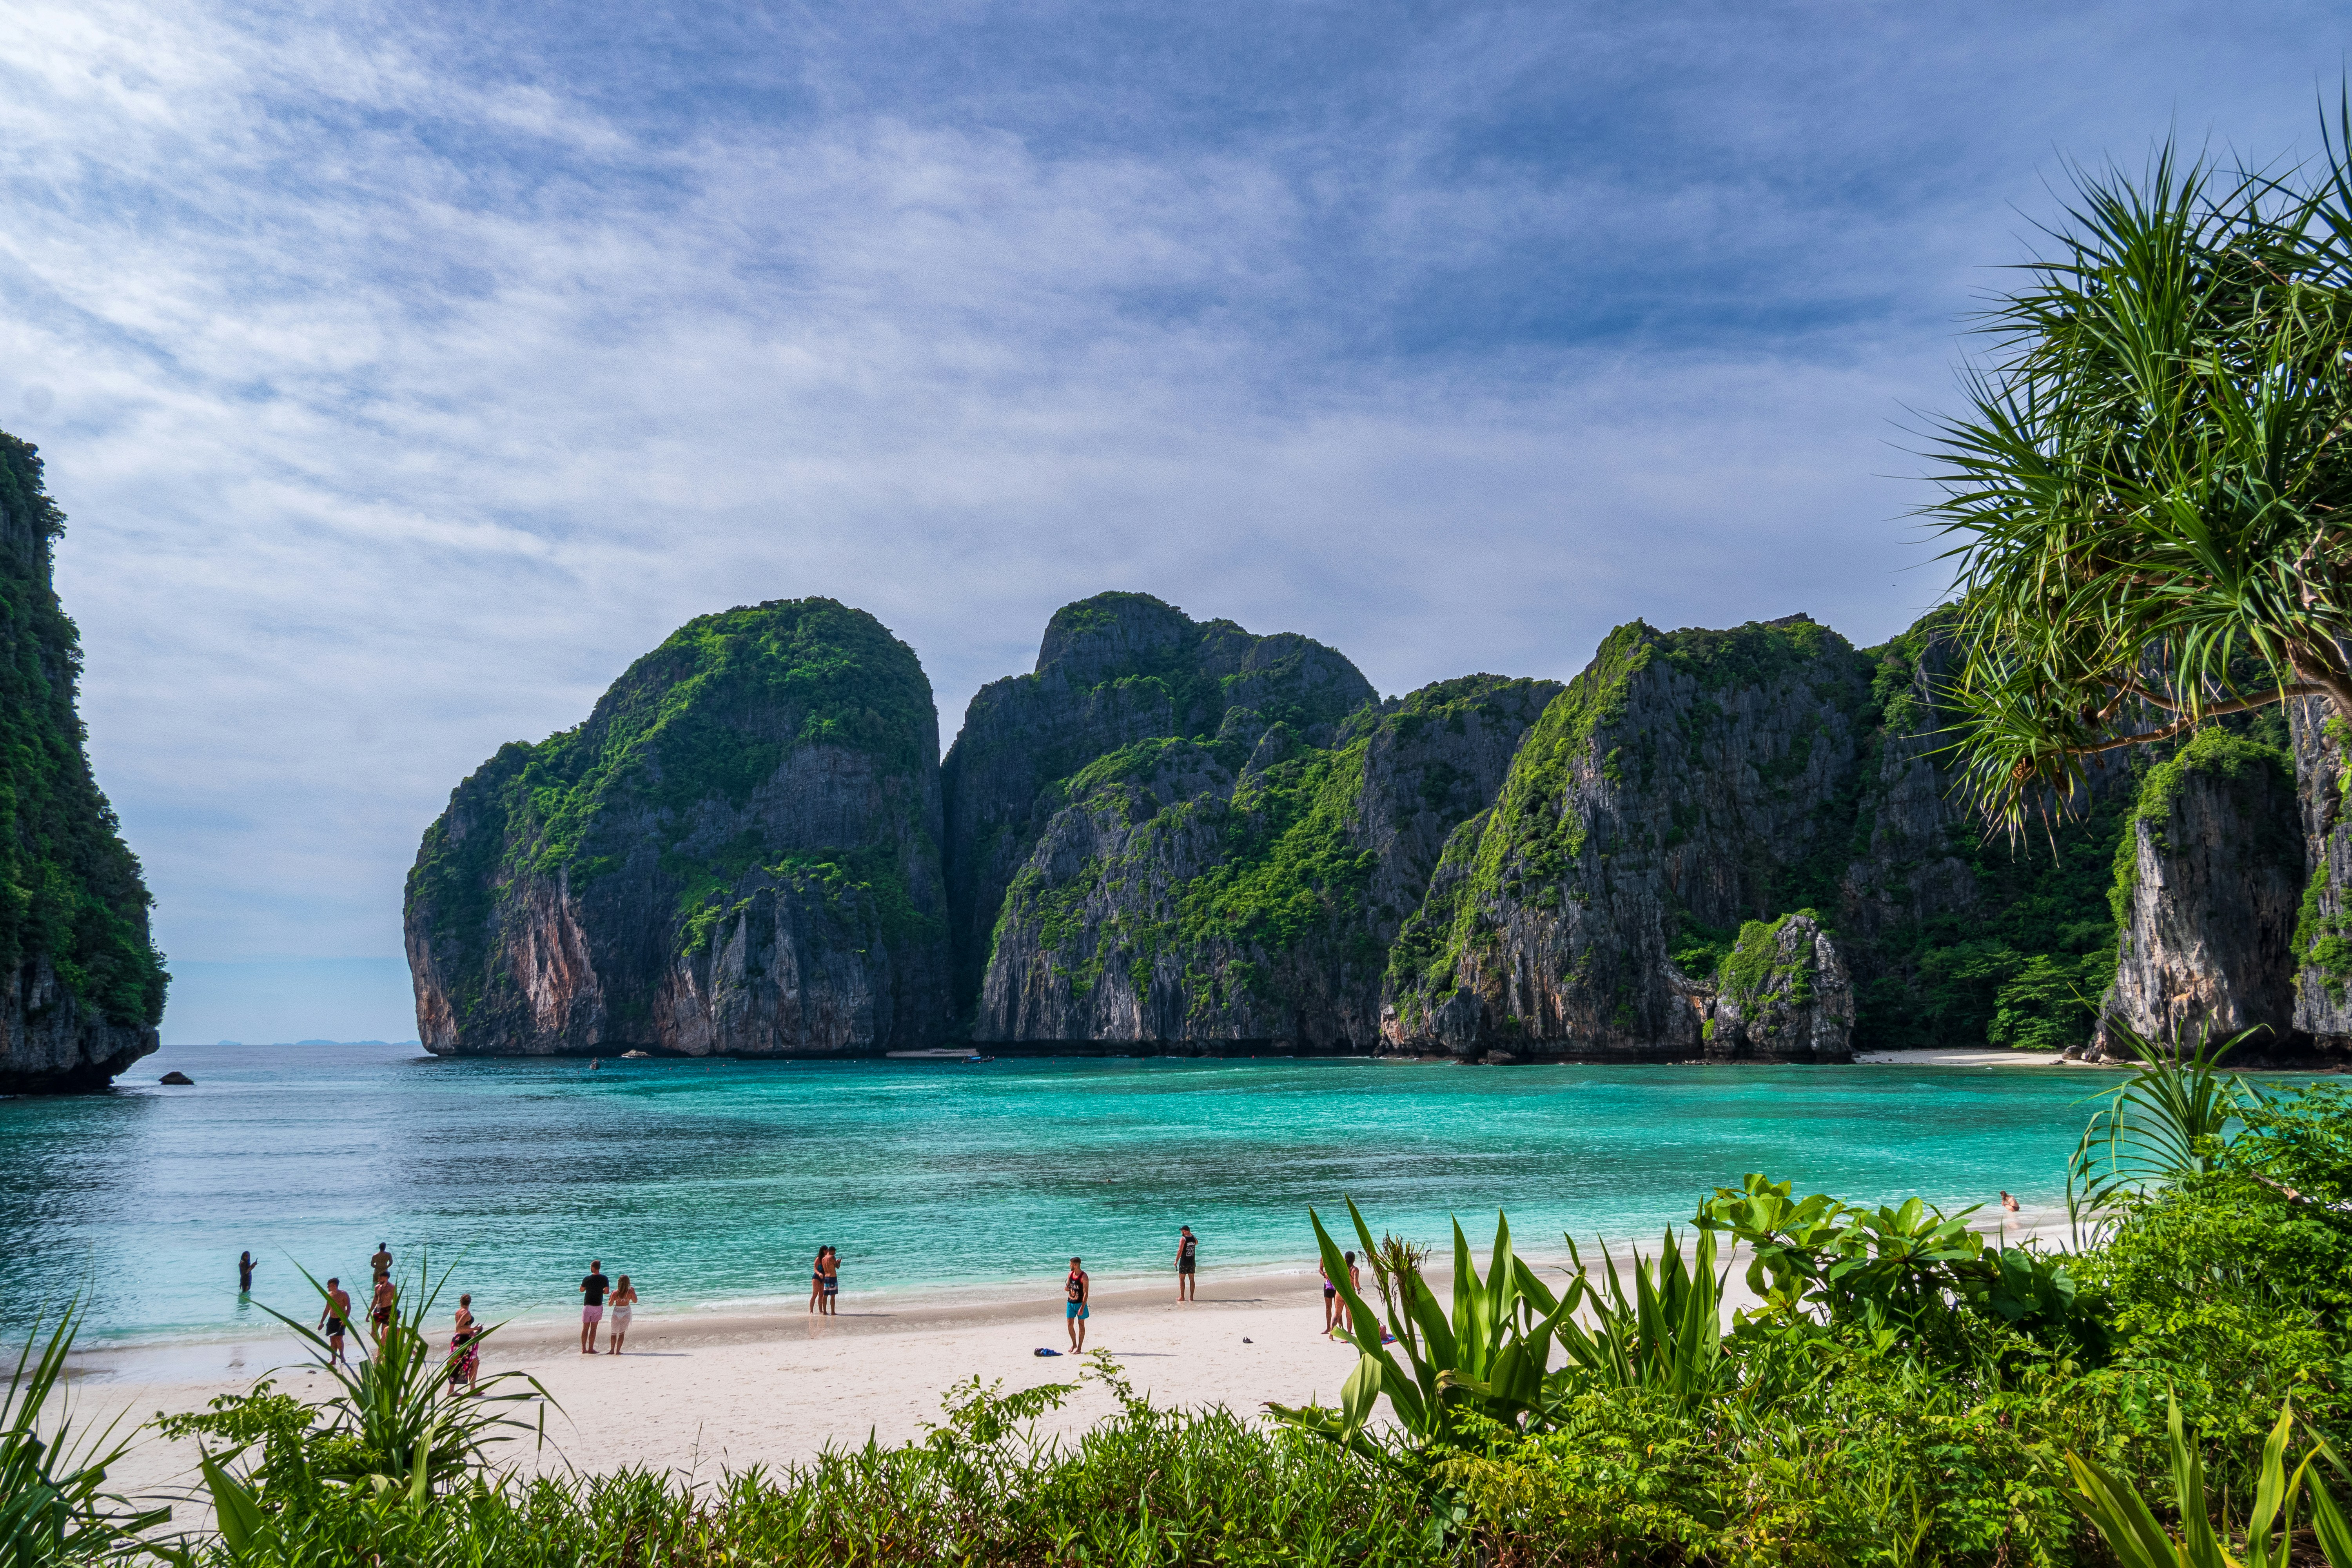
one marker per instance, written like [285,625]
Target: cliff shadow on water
[1183,837]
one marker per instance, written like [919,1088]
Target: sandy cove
[699,1394]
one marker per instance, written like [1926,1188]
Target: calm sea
[712,1182]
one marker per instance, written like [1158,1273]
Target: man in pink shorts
[592,1310]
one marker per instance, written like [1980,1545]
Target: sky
[406,371]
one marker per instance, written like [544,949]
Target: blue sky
[406,371]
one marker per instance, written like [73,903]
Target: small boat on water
[939,1054]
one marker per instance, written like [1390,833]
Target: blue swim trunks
[1076,1309]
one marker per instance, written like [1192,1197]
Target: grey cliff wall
[1114,671]
[2209,881]
[2322,941]
[737,853]
[1686,785]
[1201,894]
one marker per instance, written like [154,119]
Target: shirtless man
[335,1316]
[382,1307]
[382,1261]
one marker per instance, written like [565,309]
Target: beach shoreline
[697,1394]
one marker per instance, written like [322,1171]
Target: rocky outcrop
[1115,671]
[2322,944]
[2209,879]
[81,985]
[1782,995]
[1245,891]
[1683,786]
[736,854]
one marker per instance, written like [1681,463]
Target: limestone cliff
[1244,890]
[2322,944]
[2209,879]
[737,853]
[1113,672]
[81,985]
[1685,786]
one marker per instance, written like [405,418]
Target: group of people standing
[383,1314]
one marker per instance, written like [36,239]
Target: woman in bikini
[816,1280]
[465,1348]
[625,1298]
[832,1281]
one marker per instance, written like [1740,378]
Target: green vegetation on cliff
[70,890]
[706,718]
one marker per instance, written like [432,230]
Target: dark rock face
[2208,887]
[737,854]
[1696,781]
[81,985]
[1115,671]
[1783,996]
[1245,889]
[2321,942]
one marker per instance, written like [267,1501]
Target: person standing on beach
[336,1315]
[382,1261]
[465,1355]
[1330,1301]
[592,1304]
[1078,1287]
[1187,1247]
[817,1278]
[381,1306]
[245,1274]
[625,1296]
[832,1281]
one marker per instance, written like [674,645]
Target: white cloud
[397,407]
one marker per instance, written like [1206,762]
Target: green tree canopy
[2149,494]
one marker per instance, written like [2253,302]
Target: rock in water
[177,1077]
[2207,881]
[1782,994]
[81,986]
[737,853]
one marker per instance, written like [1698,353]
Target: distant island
[1178,836]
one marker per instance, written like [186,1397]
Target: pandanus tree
[2148,495]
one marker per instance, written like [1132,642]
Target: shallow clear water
[716,1181]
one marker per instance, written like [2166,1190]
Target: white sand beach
[696,1393]
[701,1393]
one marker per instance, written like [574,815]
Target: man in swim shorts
[1077,1287]
[592,1307]
[382,1261]
[337,1314]
[1186,1247]
[380,1309]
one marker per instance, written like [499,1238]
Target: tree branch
[2236,705]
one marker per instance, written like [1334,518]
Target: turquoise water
[713,1182]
